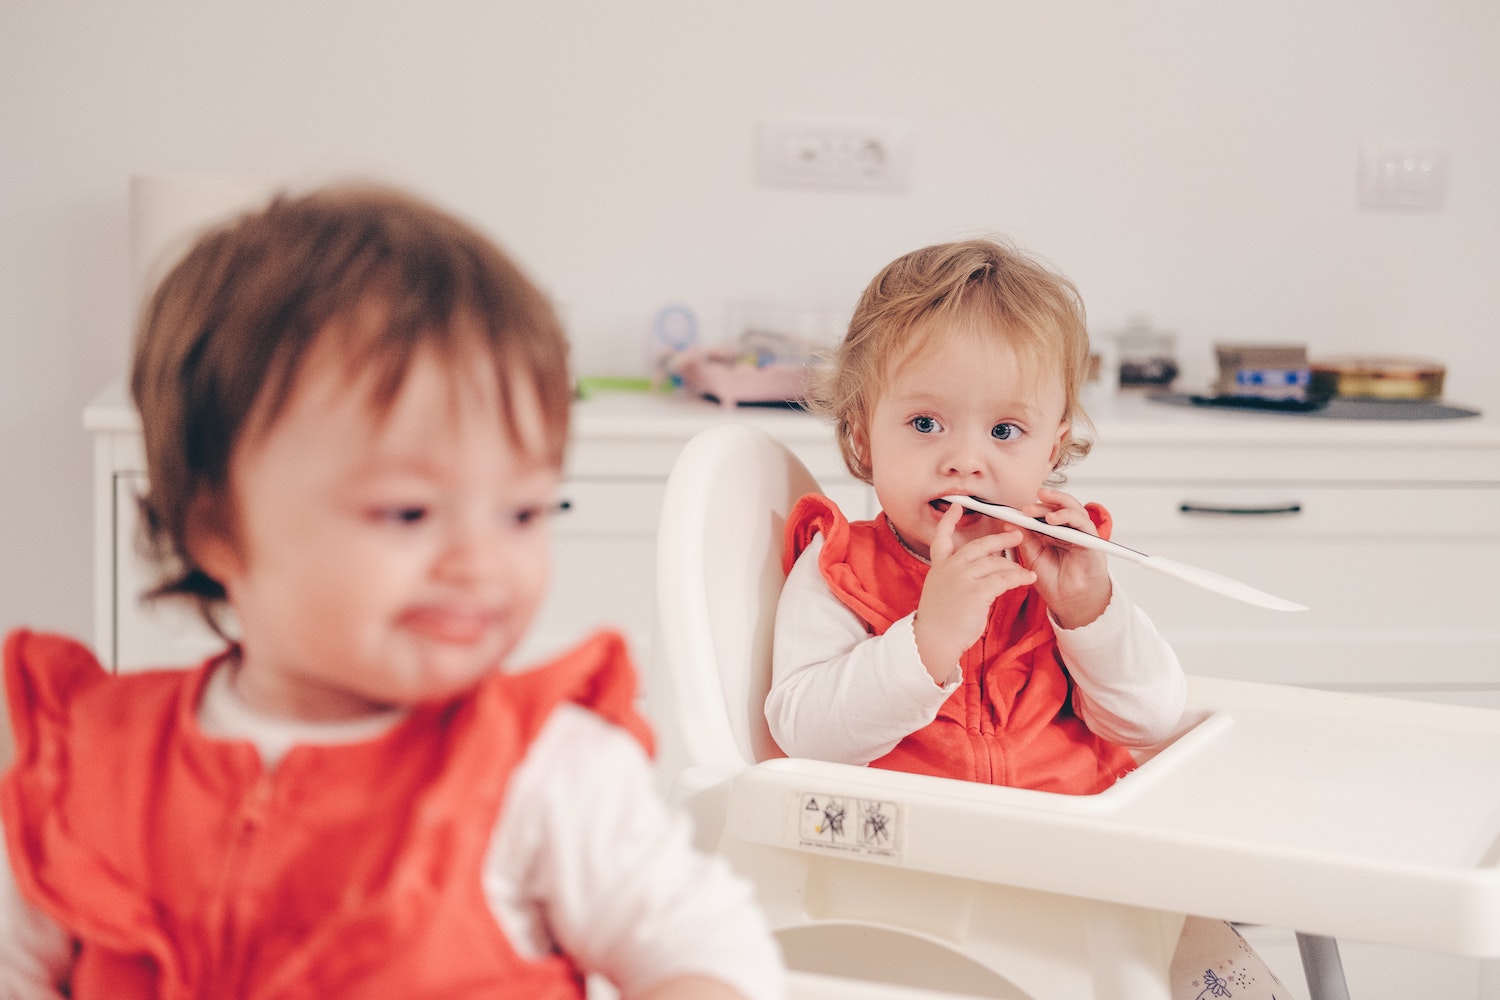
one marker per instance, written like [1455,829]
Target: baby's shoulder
[583,753]
[574,737]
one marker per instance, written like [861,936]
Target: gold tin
[1377,377]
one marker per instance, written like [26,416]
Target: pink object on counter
[732,383]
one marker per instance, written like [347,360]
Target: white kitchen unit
[1389,531]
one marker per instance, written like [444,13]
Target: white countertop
[1129,418]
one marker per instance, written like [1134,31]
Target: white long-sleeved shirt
[840,694]
[585,858]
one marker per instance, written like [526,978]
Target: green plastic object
[592,385]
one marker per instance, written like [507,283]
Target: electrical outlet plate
[846,155]
[1402,176]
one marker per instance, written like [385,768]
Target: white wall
[1192,160]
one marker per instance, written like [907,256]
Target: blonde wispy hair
[982,287]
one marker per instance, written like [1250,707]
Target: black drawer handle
[1240,509]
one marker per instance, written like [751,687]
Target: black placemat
[1335,409]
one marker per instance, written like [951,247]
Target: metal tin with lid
[1378,377]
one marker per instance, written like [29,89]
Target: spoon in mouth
[1206,579]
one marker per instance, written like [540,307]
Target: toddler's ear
[1060,441]
[859,443]
[210,537]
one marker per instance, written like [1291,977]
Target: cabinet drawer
[1295,511]
[609,507]
[603,566]
[1402,584]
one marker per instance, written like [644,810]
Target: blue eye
[924,425]
[1004,432]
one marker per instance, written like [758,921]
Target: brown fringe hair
[223,337]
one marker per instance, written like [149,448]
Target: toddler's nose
[471,555]
[962,459]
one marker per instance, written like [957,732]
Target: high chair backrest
[718,579]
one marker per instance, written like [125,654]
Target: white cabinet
[1388,530]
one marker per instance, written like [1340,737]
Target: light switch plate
[833,154]
[1403,176]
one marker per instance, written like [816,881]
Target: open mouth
[941,506]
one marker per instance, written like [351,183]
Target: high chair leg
[1323,967]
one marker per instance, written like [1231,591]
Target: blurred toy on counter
[1147,356]
[758,371]
[674,329]
[765,362]
[1263,371]
[1101,380]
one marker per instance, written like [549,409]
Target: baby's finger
[1049,500]
[1078,519]
[1004,575]
[1061,508]
[942,540]
[996,543]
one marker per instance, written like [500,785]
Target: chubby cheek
[530,574]
[364,610]
[892,499]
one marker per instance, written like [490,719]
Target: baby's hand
[1073,581]
[960,587]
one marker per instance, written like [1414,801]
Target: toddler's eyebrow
[1024,410]
[920,398]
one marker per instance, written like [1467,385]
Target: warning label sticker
[865,826]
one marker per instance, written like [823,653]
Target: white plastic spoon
[1192,574]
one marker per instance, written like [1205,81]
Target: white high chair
[1343,815]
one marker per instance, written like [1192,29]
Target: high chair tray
[1392,837]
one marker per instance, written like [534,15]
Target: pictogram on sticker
[867,826]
